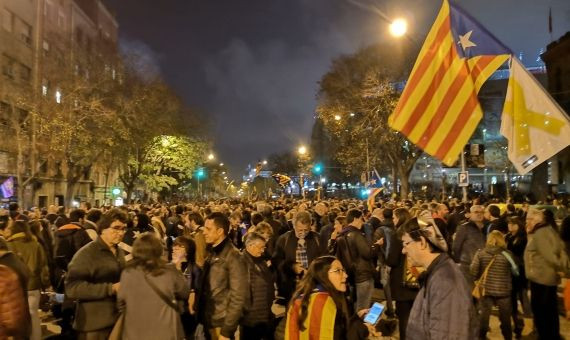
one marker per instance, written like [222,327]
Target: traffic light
[116,191]
[200,173]
[318,168]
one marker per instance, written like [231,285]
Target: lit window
[44,90]
[58,96]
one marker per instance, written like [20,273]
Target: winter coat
[468,239]
[443,308]
[68,240]
[516,245]
[33,255]
[147,316]
[544,256]
[90,276]
[396,260]
[224,290]
[498,282]
[17,302]
[284,257]
[358,258]
[261,291]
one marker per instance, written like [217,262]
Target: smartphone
[373,315]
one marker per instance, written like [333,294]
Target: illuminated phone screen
[374,314]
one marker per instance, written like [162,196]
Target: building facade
[39,39]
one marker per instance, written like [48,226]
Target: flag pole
[464,189]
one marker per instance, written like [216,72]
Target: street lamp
[398,27]
[211,156]
[302,150]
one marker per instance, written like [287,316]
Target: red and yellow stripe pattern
[438,109]
[320,320]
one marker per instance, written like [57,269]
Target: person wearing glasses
[257,321]
[93,278]
[443,308]
[319,310]
[469,238]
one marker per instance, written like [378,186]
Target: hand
[191,300]
[380,241]
[115,288]
[361,313]
[298,269]
[372,330]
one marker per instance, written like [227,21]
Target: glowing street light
[221,164]
[211,156]
[302,150]
[264,162]
[337,117]
[398,27]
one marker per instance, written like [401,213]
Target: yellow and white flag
[534,124]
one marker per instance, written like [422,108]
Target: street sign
[463,179]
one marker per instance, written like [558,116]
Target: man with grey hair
[294,252]
[468,239]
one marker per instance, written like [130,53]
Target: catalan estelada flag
[319,324]
[282,180]
[438,109]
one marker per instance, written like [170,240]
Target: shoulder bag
[171,303]
[479,289]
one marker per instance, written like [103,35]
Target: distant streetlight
[264,162]
[302,150]
[221,164]
[398,27]
[336,117]
[211,156]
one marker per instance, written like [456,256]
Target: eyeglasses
[338,270]
[119,229]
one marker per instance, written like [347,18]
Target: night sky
[252,66]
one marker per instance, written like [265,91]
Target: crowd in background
[287,268]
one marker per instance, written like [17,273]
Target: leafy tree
[169,160]
[355,99]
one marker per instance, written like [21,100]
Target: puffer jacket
[261,291]
[33,255]
[224,290]
[443,308]
[544,256]
[498,282]
[90,276]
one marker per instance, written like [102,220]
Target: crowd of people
[283,269]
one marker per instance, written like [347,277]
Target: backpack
[14,311]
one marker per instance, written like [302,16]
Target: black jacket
[68,240]
[224,289]
[261,291]
[358,258]
[284,257]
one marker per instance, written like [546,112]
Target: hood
[67,230]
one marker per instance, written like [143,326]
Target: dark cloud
[253,65]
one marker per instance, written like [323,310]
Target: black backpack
[345,256]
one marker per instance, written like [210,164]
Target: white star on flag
[465,42]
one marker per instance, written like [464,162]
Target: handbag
[171,303]
[479,289]
[117,332]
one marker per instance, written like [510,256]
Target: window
[61,20]
[45,87]
[58,96]
[7,20]
[45,45]
[8,66]
[25,73]
[25,32]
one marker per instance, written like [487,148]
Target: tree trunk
[404,174]
[129,189]
[72,177]
[394,179]
[539,186]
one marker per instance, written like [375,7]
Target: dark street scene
[284,170]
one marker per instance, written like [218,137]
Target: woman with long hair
[184,259]
[318,309]
[149,294]
[516,240]
[24,244]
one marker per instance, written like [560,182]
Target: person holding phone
[319,309]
